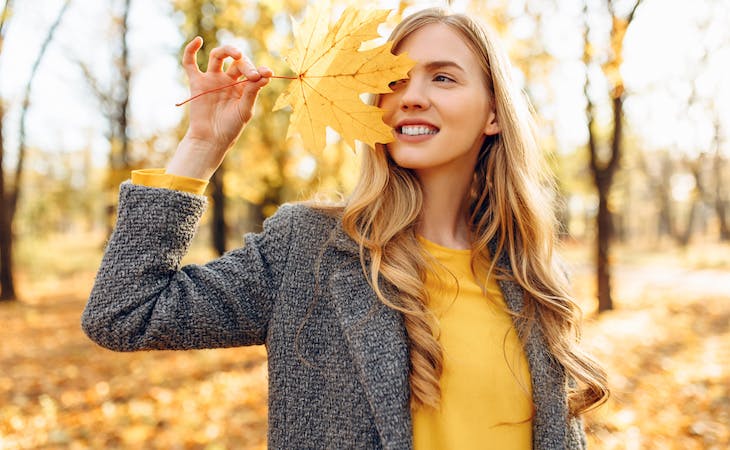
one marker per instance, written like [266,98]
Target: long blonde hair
[509,209]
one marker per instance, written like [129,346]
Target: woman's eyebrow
[434,65]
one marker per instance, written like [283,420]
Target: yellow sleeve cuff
[159,179]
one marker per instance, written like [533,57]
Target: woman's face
[441,114]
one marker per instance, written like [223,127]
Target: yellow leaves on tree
[332,71]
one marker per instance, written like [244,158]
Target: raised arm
[217,118]
[142,298]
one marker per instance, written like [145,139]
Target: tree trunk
[684,237]
[697,196]
[603,242]
[720,201]
[218,223]
[603,167]
[660,189]
[120,160]
[721,209]
[126,75]
[721,212]
[7,286]
[666,213]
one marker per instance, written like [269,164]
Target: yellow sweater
[485,387]
[486,391]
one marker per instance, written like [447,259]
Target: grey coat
[338,358]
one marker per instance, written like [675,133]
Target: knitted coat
[337,357]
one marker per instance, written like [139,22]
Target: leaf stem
[227,86]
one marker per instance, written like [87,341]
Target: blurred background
[633,103]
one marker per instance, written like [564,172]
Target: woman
[425,312]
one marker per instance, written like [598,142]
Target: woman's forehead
[438,43]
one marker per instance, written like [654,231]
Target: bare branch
[592,150]
[630,17]
[102,94]
[15,192]
[4,19]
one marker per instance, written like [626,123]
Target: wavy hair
[510,215]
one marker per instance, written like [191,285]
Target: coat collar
[341,241]
[378,344]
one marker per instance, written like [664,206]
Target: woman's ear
[492,127]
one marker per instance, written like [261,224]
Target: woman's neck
[443,217]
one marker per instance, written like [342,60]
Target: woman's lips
[413,138]
[415,131]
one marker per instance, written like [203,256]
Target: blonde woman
[426,312]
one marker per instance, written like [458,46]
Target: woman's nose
[414,96]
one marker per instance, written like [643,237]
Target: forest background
[633,103]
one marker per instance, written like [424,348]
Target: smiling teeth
[417,130]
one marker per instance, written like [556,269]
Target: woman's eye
[442,78]
[397,83]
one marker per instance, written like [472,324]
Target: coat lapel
[550,421]
[378,345]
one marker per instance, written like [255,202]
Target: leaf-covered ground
[667,349]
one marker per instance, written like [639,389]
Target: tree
[25,105]
[605,159]
[719,165]
[7,287]
[715,194]
[658,171]
[113,99]
[9,195]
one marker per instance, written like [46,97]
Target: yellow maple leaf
[332,72]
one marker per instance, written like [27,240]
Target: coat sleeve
[143,300]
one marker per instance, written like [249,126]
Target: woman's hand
[216,118]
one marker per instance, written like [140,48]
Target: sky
[662,54]
[65,116]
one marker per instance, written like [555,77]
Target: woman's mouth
[416,130]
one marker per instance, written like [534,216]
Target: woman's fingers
[243,66]
[190,57]
[253,86]
[265,72]
[248,97]
[218,54]
[235,70]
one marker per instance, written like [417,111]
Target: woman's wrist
[195,158]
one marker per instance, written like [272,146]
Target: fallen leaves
[666,348]
[58,390]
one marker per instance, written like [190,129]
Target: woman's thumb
[251,90]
